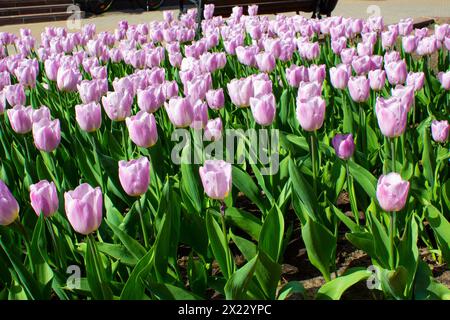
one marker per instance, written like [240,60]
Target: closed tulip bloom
[405,94]
[440,130]
[117,105]
[444,79]
[15,94]
[317,73]
[440,31]
[265,61]
[416,79]
[9,208]
[339,76]
[170,89]
[392,192]
[213,130]
[215,99]
[180,111]
[263,109]
[142,129]
[347,55]
[362,65]
[338,45]
[89,116]
[311,113]
[88,91]
[246,55]
[26,75]
[388,39]
[409,43]
[392,56]
[134,176]
[240,91]
[44,198]
[296,74]
[216,178]
[21,119]
[365,49]
[377,79]
[200,115]
[42,113]
[396,72]
[47,134]
[84,207]
[405,26]
[252,10]
[344,145]
[67,78]
[376,62]
[150,99]
[359,88]
[307,90]
[392,116]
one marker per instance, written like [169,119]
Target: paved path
[391,10]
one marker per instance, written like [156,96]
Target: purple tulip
[405,27]
[21,118]
[150,99]
[89,116]
[388,39]
[67,78]
[405,94]
[180,111]
[2,102]
[246,55]
[44,198]
[392,116]
[311,113]
[317,73]
[134,176]
[392,192]
[47,134]
[416,79]
[208,11]
[253,10]
[88,91]
[377,79]
[295,75]
[265,61]
[9,208]
[362,65]
[42,113]
[263,109]
[117,105]
[240,91]
[26,75]
[338,45]
[359,88]
[216,178]
[440,31]
[213,130]
[84,207]
[339,76]
[396,72]
[440,130]
[200,115]
[410,43]
[365,49]
[169,89]
[444,79]
[344,145]
[307,90]
[347,55]
[215,99]
[15,94]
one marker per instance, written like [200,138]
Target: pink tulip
[339,76]
[117,105]
[359,88]
[42,113]
[134,176]
[263,109]
[51,68]
[89,116]
[208,11]
[213,130]
[47,134]
[365,48]
[344,145]
[338,45]
[388,39]
[180,111]
[440,130]
[362,65]
[392,56]
[392,192]
[377,79]
[246,55]
[67,78]
[2,102]
[15,94]
[311,113]
[216,178]
[295,75]
[21,118]
[444,79]
[89,91]
[169,89]
[416,79]
[405,94]
[392,116]
[240,91]
[150,99]
[410,43]
[317,73]
[265,61]
[84,207]
[307,90]
[215,99]
[44,198]
[9,208]
[347,55]
[200,115]
[441,31]
[252,10]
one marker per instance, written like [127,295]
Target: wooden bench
[224,7]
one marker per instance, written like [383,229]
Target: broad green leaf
[441,228]
[189,180]
[237,284]
[96,272]
[166,291]
[292,287]
[364,178]
[244,183]
[246,247]
[133,246]
[268,274]
[334,289]
[301,188]
[134,288]
[271,236]
[244,220]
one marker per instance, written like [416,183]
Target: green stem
[393,154]
[391,240]
[351,193]
[314,160]
[224,231]
[141,217]
[55,245]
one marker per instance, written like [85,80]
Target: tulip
[339,76]
[117,105]
[215,99]
[265,61]
[150,99]
[296,74]
[344,145]
[42,113]
[47,134]
[252,10]
[84,207]
[307,90]
[405,94]
[20,118]
[311,113]
[362,65]
[89,116]
[9,207]
[396,72]
[89,91]
[388,39]
[15,94]
[347,55]
[392,192]
[26,75]
[67,78]
[377,79]
[317,73]
[359,88]
[208,11]
[444,79]
[134,176]
[180,111]
[416,79]
[392,56]
[392,116]
[410,43]
[213,130]
[2,102]
[441,31]
[440,130]
[216,178]
[246,55]
[263,109]
[200,115]
[169,89]
[44,198]
[240,91]
[142,129]
[365,49]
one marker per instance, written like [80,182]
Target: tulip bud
[392,192]
[67,78]
[20,118]
[117,105]
[216,178]
[44,198]
[311,113]
[339,76]
[396,72]
[89,116]
[200,115]
[9,208]
[392,116]
[440,130]
[359,88]
[405,95]
[142,129]
[263,109]
[295,75]
[344,145]
[265,61]
[134,176]
[213,130]
[47,134]
[88,91]
[84,207]
[180,111]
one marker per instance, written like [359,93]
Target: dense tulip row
[351,99]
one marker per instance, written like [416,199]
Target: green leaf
[441,229]
[244,220]
[381,241]
[134,288]
[363,241]
[271,237]
[133,246]
[237,284]
[409,252]
[166,291]
[364,178]
[116,251]
[189,180]
[95,270]
[38,256]
[301,188]
[246,247]
[334,289]
[428,161]
[268,274]
[245,184]
[197,276]
[291,287]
